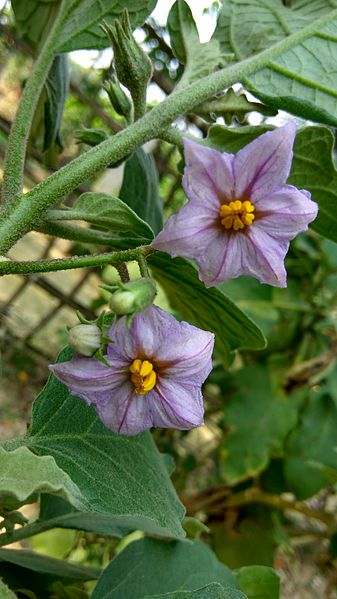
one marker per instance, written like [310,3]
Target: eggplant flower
[157,367]
[241,214]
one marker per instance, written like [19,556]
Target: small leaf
[199,59]
[5,592]
[140,189]
[208,309]
[116,475]
[25,475]
[48,565]
[108,212]
[181,565]
[259,582]
[56,88]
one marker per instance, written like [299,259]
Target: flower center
[143,376]
[236,215]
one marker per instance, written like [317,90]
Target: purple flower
[241,215]
[157,368]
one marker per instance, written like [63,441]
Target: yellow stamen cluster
[143,376]
[237,214]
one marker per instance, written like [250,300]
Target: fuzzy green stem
[9,267]
[143,268]
[16,221]
[17,142]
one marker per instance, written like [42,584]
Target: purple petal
[264,164]
[286,212]
[124,412]
[208,174]
[86,376]
[174,405]
[264,257]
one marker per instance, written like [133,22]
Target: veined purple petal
[87,376]
[174,405]
[208,174]
[264,164]
[264,258]
[124,412]
[223,258]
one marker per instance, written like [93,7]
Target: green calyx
[132,297]
[118,99]
[91,137]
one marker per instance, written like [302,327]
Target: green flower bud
[133,297]
[85,339]
[119,100]
[133,66]
[92,137]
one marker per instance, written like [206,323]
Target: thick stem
[9,267]
[16,221]
[17,142]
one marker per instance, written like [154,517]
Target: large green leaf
[25,475]
[300,80]
[34,19]
[258,416]
[211,591]
[117,475]
[82,19]
[209,309]
[159,567]
[48,565]
[140,189]
[259,582]
[199,59]
[312,168]
[314,441]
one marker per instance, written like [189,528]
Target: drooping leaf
[5,592]
[43,564]
[82,18]
[56,89]
[140,189]
[258,416]
[300,80]
[25,475]
[210,591]
[107,212]
[312,168]
[259,582]
[206,308]
[314,441]
[178,566]
[116,475]
[199,59]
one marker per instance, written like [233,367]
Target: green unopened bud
[133,297]
[92,137]
[119,100]
[85,339]
[133,66]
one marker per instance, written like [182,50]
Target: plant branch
[8,267]
[17,220]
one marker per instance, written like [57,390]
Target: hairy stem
[8,267]
[17,220]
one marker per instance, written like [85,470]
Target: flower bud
[133,297]
[133,66]
[119,100]
[85,339]
[92,137]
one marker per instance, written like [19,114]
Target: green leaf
[210,591]
[312,168]
[5,592]
[259,416]
[116,475]
[231,105]
[34,19]
[82,18]
[25,475]
[140,189]
[56,89]
[107,212]
[299,80]
[199,59]
[259,582]
[314,441]
[178,566]
[206,308]
[43,564]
